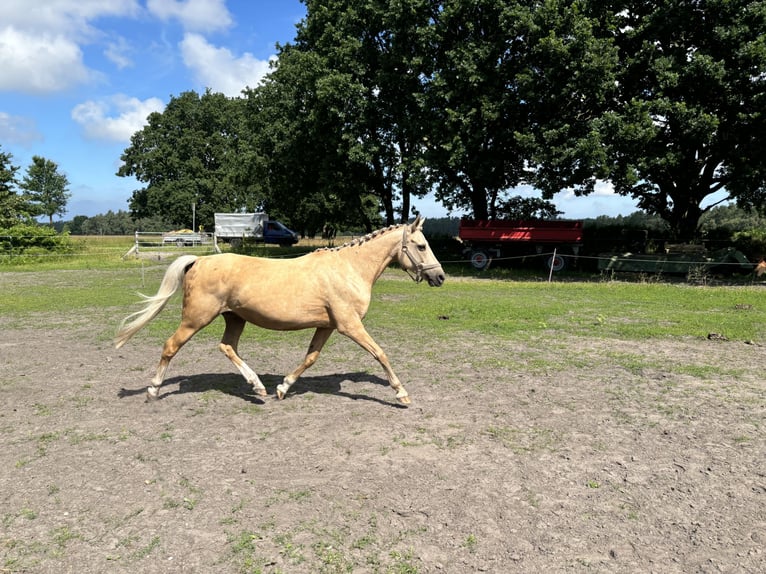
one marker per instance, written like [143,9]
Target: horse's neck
[371,257]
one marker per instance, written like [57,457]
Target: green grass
[531,309]
[107,252]
[518,310]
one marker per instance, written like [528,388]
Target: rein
[419,267]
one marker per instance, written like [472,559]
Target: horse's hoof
[404,400]
[262,392]
[280,395]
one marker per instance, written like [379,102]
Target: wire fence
[159,246]
[695,269]
[29,249]
[602,257]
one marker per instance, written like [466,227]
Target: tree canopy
[187,155]
[350,84]
[47,190]
[688,118]
[13,206]
[377,102]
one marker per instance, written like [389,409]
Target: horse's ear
[417,225]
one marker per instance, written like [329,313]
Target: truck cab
[275,232]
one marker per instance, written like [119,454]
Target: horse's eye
[421,247]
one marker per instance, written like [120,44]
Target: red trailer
[487,239]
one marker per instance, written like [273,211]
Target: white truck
[235,227]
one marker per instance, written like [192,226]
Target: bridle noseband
[419,267]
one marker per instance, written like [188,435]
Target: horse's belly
[285,319]
[276,302]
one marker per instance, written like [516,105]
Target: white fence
[156,243]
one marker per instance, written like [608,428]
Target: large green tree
[366,105]
[297,148]
[13,206]
[188,155]
[510,79]
[665,100]
[400,47]
[566,83]
[471,137]
[688,119]
[377,100]
[46,188]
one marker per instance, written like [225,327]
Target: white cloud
[35,64]
[69,17]
[601,189]
[41,47]
[198,15]
[218,69]
[18,130]
[115,119]
[117,52]
[604,189]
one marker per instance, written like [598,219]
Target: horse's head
[416,257]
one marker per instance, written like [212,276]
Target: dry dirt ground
[646,457]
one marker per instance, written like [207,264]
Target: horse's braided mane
[363,239]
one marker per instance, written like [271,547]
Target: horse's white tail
[172,280]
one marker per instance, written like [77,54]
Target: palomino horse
[326,290]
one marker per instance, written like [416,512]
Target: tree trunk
[479,205]
[684,219]
[406,198]
[384,192]
[388,209]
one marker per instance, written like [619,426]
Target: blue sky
[79,77]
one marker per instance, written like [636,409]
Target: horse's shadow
[233,384]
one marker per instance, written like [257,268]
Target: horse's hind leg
[184,332]
[315,347]
[197,314]
[234,327]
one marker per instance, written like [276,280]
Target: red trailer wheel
[555,262]
[479,260]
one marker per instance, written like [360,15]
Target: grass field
[518,308]
[101,251]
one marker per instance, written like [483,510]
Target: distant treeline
[111,223]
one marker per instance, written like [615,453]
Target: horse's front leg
[315,347]
[359,334]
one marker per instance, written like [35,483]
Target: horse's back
[233,268]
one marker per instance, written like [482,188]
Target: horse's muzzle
[435,277]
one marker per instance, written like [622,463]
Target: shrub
[29,240]
[752,243]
